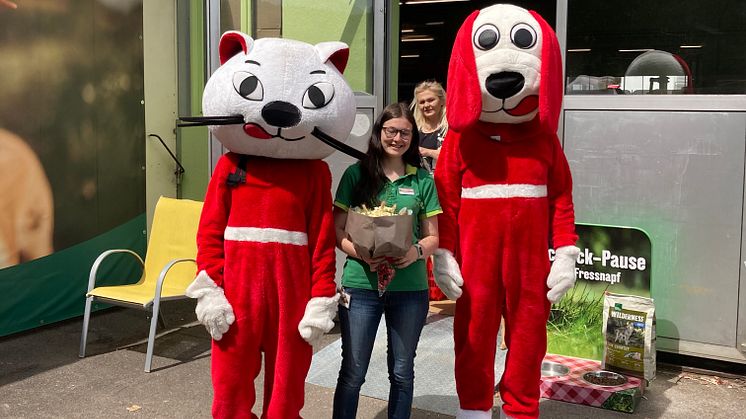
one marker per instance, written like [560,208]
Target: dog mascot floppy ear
[266,239]
[506,192]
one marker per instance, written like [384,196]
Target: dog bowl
[604,378]
[553,369]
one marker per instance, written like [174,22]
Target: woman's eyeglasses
[391,132]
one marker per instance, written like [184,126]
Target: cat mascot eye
[248,86]
[318,95]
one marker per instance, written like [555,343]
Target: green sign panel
[615,259]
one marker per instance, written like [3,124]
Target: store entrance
[427,31]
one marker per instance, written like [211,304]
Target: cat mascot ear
[232,43]
[336,53]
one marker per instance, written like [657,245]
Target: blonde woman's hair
[436,88]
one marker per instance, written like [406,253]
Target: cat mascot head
[505,68]
[278,97]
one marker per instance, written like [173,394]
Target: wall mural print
[72,146]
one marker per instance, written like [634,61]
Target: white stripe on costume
[505,191]
[265,235]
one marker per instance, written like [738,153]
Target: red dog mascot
[266,236]
[506,191]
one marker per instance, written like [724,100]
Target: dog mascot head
[505,68]
[271,97]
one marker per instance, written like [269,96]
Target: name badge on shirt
[406,191]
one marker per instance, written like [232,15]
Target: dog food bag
[629,331]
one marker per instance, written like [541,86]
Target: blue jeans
[405,313]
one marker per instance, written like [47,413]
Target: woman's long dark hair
[372,180]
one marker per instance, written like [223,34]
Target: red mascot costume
[506,192]
[266,237]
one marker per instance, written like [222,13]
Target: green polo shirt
[416,191]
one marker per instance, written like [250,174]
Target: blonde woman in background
[429,107]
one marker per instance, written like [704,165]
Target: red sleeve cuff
[216,274]
[562,240]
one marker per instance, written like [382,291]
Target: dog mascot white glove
[318,318]
[213,309]
[562,274]
[447,274]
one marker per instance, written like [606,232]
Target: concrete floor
[41,376]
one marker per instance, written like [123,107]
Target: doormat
[434,382]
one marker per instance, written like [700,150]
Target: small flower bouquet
[380,231]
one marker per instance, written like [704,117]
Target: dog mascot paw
[266,241]
[562,274]
[447,274]
[505,187]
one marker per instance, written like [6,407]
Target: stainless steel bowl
[605,378]
[553,369]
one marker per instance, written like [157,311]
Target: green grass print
[575,323]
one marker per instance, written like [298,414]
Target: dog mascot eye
[318,95]
[248,86]
[486,37]
[523,36]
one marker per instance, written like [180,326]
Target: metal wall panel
[679,177]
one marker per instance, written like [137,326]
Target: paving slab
[41,376]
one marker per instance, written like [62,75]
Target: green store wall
[349,22]
[326,20]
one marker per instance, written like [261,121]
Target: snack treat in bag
[380,231]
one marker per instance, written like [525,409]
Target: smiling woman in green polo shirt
[389,172]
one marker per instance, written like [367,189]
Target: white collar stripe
[265,235]
[505,191]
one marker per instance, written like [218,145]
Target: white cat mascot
[266,257]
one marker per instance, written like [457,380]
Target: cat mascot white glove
[318,318]
[213,309]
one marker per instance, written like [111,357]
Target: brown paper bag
[390,235]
